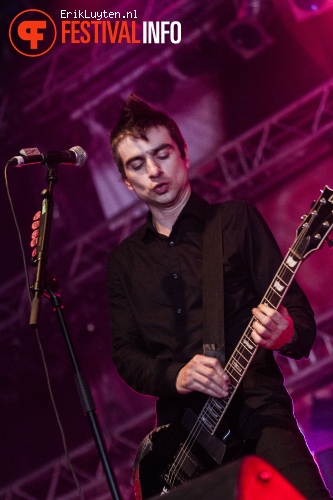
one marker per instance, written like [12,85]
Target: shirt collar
[195,207]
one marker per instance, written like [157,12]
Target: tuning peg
[303,217]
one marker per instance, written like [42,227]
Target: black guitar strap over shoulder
[213,294]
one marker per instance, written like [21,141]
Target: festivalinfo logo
[33,32]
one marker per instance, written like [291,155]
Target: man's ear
[187,158]
[128,184]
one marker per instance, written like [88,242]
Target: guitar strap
[213,294]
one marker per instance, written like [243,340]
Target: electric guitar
[175,453]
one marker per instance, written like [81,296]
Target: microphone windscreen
[81,155]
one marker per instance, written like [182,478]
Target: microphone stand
[46,285]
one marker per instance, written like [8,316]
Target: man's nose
[153,168]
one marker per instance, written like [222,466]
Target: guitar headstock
[316,226]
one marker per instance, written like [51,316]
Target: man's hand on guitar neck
[273,328]
[203,374]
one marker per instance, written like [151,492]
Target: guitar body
[163,462]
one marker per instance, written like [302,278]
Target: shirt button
[171,243]
[179,311]
[175,275]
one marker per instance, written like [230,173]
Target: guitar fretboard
[214,409]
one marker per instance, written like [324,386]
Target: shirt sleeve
[141,371]
[263,260]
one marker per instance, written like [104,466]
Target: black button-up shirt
[155,289]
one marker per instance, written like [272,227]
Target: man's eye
[136,166]
[163,156]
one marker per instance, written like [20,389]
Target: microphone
[29,156]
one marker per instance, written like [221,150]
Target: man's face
[154,169]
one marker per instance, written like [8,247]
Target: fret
[207,423]
[241,353]
[248,344]
[276,288]
[213,413]
[235,374]
[237,366]
[239,363]
[217,404]
[290,257]
[204,420]
[243,356]
[242,362]
[234,379]
[286,272]
[280,280]
[210,418]
[285,277]
[271,303]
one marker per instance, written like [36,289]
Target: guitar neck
[214,408]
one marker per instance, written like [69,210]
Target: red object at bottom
[258,481]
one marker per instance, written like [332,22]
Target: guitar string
[191,440]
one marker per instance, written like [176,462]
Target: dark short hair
[135,119]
